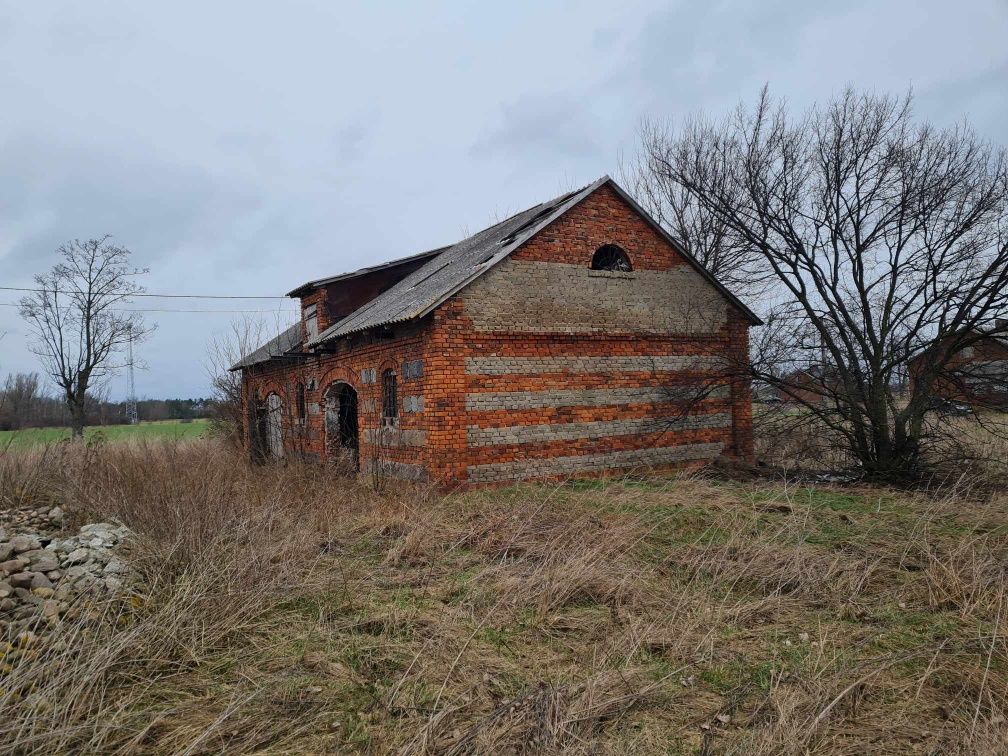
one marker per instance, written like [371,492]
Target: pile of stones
[45,576]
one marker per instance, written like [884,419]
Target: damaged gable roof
[458,265]
[448,270]
[305,288]
[287,341]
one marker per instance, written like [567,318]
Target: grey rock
[115,567]
[44,560]
[40,581]
[63,593]
[6,551]
[21,579]
[12,565]
[26,597]
[56,515]
[25,543]
[6,589]
[77,556]
[76,573]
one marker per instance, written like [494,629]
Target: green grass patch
[171,430]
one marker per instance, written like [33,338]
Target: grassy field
[284,610]
[161,429]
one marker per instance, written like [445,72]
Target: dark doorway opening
[342,446]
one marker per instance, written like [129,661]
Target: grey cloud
[247,149]
[535,125]
[149,205]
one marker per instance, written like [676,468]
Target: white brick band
[526,400]
[659,363]
[530,434]
[557,466]
[546,297]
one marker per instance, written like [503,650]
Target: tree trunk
[77,419]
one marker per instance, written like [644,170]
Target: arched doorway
[341,441]
[274,426]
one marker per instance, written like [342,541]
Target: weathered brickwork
[556,297]
[659,363]
[591,463]
[394,438]
[597,429]
[403,443]
[523,400]
[544,368]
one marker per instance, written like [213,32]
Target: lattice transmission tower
[132,416]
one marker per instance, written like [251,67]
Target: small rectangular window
[302,407]
[390,400]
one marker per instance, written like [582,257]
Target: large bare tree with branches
[886,240]
[77,321]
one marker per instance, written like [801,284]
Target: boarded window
[611,257]
[311,321]
[390,398]
[412,369]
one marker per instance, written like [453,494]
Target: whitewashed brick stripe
[556,466]
[580,364]
[525,400]
[530,434]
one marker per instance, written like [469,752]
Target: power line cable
[278,311]
[145,294]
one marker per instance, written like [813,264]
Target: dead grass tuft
[280,610]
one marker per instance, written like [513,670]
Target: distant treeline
[24,403]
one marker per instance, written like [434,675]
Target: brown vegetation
[283,610]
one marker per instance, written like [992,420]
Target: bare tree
[20,392]
[887,239]
[76,322]
[702,231]
[225,350]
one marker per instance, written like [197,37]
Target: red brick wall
[507,390]
[347,366]
[461,331]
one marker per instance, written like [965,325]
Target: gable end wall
[567,371]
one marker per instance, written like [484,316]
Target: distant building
[977,374]
[565,340]
[806,386]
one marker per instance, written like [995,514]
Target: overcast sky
[246,147]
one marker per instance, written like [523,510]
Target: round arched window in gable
[611,257]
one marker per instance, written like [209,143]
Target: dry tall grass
[284,610]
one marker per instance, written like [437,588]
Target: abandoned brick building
[574,338]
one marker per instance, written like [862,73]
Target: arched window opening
[611,257]
[302,406]
[341,442]
[390,398]
[274,426]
